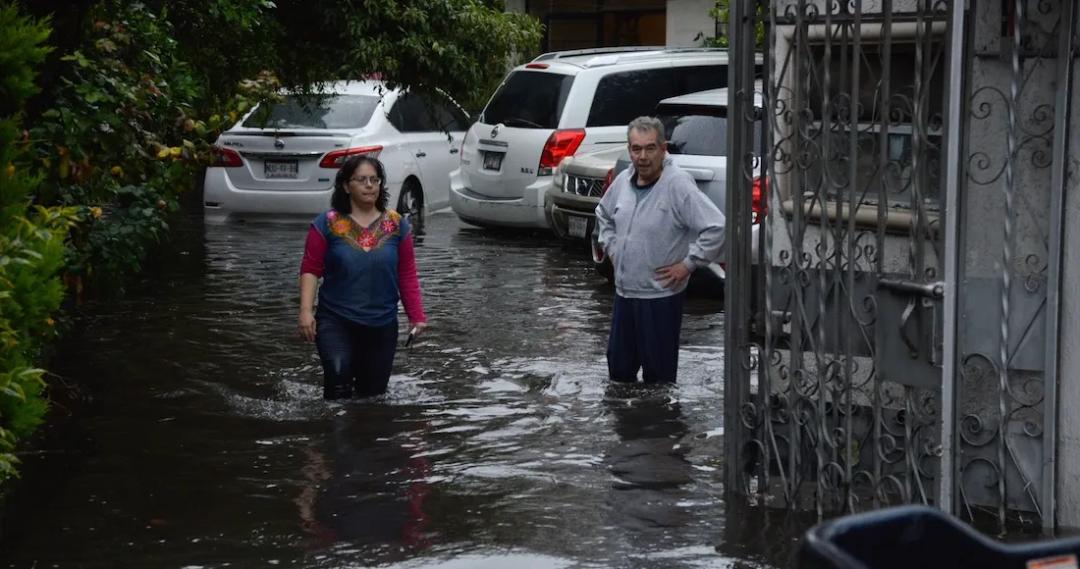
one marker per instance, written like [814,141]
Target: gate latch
[927,290]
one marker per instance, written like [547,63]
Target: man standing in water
[656,226]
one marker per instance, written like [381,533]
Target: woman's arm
[408,282]
[311,269]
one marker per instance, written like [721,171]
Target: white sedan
[280,160]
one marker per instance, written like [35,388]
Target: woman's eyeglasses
[372,180]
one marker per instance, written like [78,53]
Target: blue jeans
[356,359]
[645,335]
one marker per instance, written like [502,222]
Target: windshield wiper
[516,121]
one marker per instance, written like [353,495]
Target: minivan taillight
[559,145]
[607,181]
[226,157]
[336,158]
[759,191]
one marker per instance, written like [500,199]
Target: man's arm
[605,221]
[703,219]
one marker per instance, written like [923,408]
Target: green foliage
[224,41]
[20,53]
[31,244]
[461,47]
[120,142]
[720,11]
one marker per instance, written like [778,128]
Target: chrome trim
[283,155]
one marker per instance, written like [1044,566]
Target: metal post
[1053,284]
[737,283]
[954,138]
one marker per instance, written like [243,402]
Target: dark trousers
[645,335]
[356,359]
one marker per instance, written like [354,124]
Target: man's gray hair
[646,124]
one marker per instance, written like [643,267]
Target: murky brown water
[205,442]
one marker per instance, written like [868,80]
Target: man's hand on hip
[672,275]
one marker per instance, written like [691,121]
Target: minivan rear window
[315,112]
[529,99]
[621,97]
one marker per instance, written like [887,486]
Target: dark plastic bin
[909,537]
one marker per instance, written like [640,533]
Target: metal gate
[911,158]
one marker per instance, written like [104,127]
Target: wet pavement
[200,438]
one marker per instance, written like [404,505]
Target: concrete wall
[1068,450]
[686,19]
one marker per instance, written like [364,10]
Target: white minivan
[560,104]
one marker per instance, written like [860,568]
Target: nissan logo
[279,144]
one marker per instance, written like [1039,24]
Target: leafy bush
[119,141]
[719,12]
[461,47]
[31,244]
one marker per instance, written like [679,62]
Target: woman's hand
[417,328]
[307,325]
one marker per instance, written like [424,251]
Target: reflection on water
[499,443]
[648,459]
[364,485]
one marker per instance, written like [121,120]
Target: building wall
[599,23]
[688,21]
[1068,450]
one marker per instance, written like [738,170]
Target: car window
[622,97]
[699,78]
[413,112]
[451,118]
[529,99]
[700,135]
[416,112]
[700,130]
[315,111]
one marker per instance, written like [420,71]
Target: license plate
[578,226]
[281,168]
[493,160]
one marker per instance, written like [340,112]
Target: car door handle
[421,154]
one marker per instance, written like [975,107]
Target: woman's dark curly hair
[340,199]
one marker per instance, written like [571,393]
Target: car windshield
[529,99]
[315,112]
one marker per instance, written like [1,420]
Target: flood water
[200,439]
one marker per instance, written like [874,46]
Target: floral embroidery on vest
[364,238]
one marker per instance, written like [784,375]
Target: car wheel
[411,206]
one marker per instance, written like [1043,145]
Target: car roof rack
[596,51]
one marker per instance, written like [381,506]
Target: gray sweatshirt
[672,222]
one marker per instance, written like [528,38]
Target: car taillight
[559,145]
[607,181]
[336,158]
[226,157]
[759,191]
